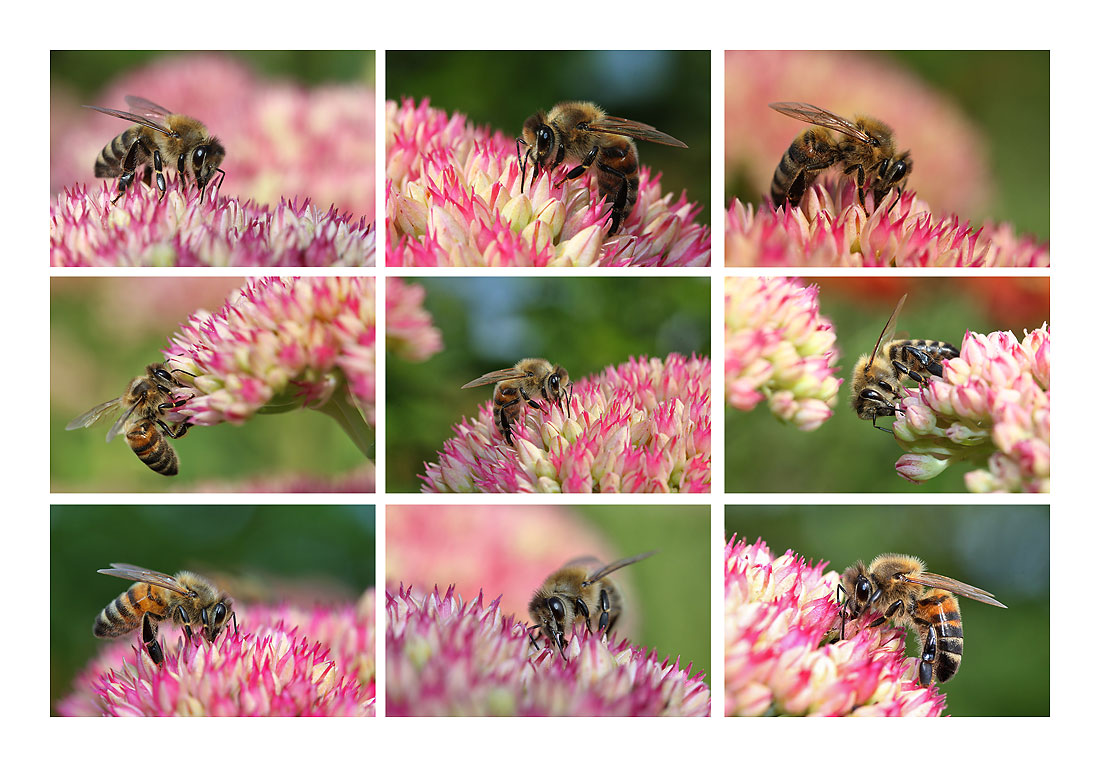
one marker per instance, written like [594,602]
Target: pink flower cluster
[780,348]
[446,657]
[409,330]
[831,228]
[951,164]
[780,614]
[86,229]
[992,408]
[278,343]
[641,427]
[453,199]
[285,661]
[282,140]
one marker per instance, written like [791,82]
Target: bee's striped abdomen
[109,162]
[123,615]
[805,159]
[153,449]
[939,611]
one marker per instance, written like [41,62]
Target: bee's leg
[167,428]
[504,422]
[529,401]
[888,614]
[605,611]
[236,631]
[158,167]
[135,155]
[928,658]
[582,608]
[149,639]
[181,618]
[522,163]
[861,178]
[586,163]
[534,630]
[569,402]
[843,611]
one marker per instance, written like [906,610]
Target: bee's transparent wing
[139,119]
[823,117]
[622,127]
[955,587]
[143,575]
[496,376]
[147,108]
[120,424]
[608,569]
[887,334]
[87,419]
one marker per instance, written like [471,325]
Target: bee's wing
[887,333]
[139,119]
[120,424]
[93,415]
[148,108]
[495,377]
[623,127]
[823,117]
[142,575]
[955,587]
[608,569]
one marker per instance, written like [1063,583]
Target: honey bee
[867,148]
[876,378]
[161,137]
[570,596]
[911,597]
[146,398]
[186,599]
[584,133]
[530,379]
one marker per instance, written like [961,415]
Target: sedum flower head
[279,343]
[409,330]
[780,612]
[453,199]
[86,229]
[446,657]
[285,661]
[780,349]
[951,161]
[831,228]
[992,408]
[641,427]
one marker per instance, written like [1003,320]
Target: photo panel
[603,159]
[887,384]
[890,577]
[170,610]
[525,384]
[548,610]
[212,158]
[270,379]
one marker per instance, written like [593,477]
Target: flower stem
[341,407]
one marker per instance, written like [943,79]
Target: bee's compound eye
[557,608]
[555,380]
[545,136]
[863,589]
[198,155]
[219,612]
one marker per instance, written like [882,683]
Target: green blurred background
[1007,94]
[103,332]
[582,323]
[303,554]
[1002,549]
[86,72]
[846,454]
[669,90]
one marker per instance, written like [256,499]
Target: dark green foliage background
[667,89]
[1003,549]
[582,323]
[335,543]
[846,454]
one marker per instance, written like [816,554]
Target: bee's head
[871,398]
[215,616]
[205,160]
[892,171]
[540,140]
[858,592]
[553,615]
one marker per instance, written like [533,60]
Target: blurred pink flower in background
[641,427]
[494,547]
[282,140]
[831,228]
[991,408]
[143,230]
[359,480]
[446,657]
[779,348]
[453,199]
[410,333]
[950,162]
[286,661]
[298,189]
[780,612]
